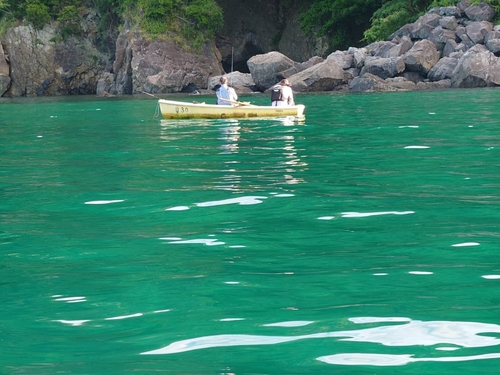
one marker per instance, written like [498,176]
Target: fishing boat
[171,109]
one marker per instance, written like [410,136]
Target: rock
[450,11]
[380,49]
[105,85]
[413,77]
[372,83]
[478,67]
[342,59]
[439,85]
[448,22]
[359,55]
[477,31]
[161,66]
[4,72]
[440,36]
[237,80]
[326,76]
[480,12]
[401,84]
[449,47]
[404,45]
[265,68]
[443,69]
[422,27]
[299,67]
[384,67]
[494,46]
[68,67]
[422,57]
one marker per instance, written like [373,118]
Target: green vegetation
[356,22]
[197,20]
[344,22]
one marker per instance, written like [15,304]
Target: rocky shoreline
[448,47]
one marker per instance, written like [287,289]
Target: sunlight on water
[412,333]
[359,239]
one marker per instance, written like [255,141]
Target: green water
[364,240]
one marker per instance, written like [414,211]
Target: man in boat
[282,94]
[225,94]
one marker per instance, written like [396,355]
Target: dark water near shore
[363,240]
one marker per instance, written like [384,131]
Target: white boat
[171,109]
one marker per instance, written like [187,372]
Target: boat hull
[183,110]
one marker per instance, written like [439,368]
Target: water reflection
[230,134]
[446,336]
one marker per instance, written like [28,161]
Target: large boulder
[242,82]
[266,67]
[440,36]
[326,76]
[480,12]
[478,67]
[383,67]
[298,67]
[372,83]
[443,69]
[359,56]
[4,72]
[422,27]
[422,57]
[477,31]
[341,58]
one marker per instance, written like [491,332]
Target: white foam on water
[124,316]
[408,126]
[161,311]
[491,277]
[448,348]
[367,214]
[241,201]
[466,244]
[205,241]
[416,147]
[231,282]
[70,299]
[177,208]
[236,246]
[105,202]
[420,273]
[326,217]
[380,274]
[231,319]
[284,195]
[170,238]
[293,323]
[73,323]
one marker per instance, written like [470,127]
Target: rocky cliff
[38,62]
[454,46]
